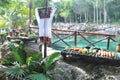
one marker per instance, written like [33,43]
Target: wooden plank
[96,41]
[61,39]
[113,39]
[86,39]
[93,33]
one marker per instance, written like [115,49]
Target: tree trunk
[65,19]
[97,11]
[85,15]
[100,15]
[75,18]
[105,12]
[94,14]
[80,19]
[70,20]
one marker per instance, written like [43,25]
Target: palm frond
[15,72]
[15,53]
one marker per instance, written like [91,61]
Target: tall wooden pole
[45,42]
[75,38]
[108,43]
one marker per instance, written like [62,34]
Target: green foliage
[51,59]
[34,57]
[16,12]
[32,35]
[20,55]
[15,72]
[27,66]
[4,2]
[6,61]
[37,77]
[15,53]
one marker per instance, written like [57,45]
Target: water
[82,43]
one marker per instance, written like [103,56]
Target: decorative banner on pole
[44,19]
[44,13]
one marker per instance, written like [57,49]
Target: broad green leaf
[50,60]
[29,59]
[17,57]
[37,56]
[22,52]
[34,57]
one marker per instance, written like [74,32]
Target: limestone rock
[81,70]
[64,71]
[5,50]
[32,48]
[2,69]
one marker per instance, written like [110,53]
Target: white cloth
[45,23]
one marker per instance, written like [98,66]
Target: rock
[108,77]
[2,69]
[58,76]
[97,71]
[32,48]
[5,51]
[64,71]
[82,70]
[107,28]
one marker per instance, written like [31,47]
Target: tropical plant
[49,60]
[29,66]
[14,13]
[45,63]
[22,62]
[15,72]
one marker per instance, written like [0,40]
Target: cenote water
[82,43]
